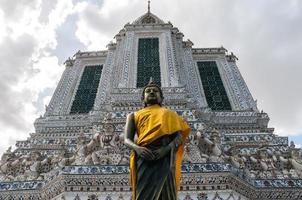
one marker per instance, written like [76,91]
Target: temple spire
[148,6]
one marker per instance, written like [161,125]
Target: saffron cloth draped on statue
[156,126]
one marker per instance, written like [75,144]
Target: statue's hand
[145,153]
[161,152]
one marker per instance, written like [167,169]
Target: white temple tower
[77,150]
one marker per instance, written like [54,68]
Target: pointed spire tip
[148,6]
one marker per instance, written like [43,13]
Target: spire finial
[148,6]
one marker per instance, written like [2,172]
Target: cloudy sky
[37,36]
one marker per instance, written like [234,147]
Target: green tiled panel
[148,61]
[86,93]
[213,86]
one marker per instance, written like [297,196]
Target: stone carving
[6,163]
[294,160]
[268,162]
[210,148]
[106,147]
[192,154]
[237,160]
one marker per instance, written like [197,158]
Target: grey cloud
[15,57]
[46,8]
[12,107]
[14,9]
[68,44]
[39,104]
[98,3]
[111,24]
[15,63]
[96,22]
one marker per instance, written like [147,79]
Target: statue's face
[152,95]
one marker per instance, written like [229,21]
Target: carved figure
[33,163]
[294,159]
[81,152]
[210,147]
[266,163]
[192,153]
[156,159]
[238,161]
[215,151]
[204,144]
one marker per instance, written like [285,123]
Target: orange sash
[152,123]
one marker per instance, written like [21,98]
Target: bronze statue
[157,152]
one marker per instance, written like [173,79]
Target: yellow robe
[152,123]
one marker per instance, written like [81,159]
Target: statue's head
[152,94]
